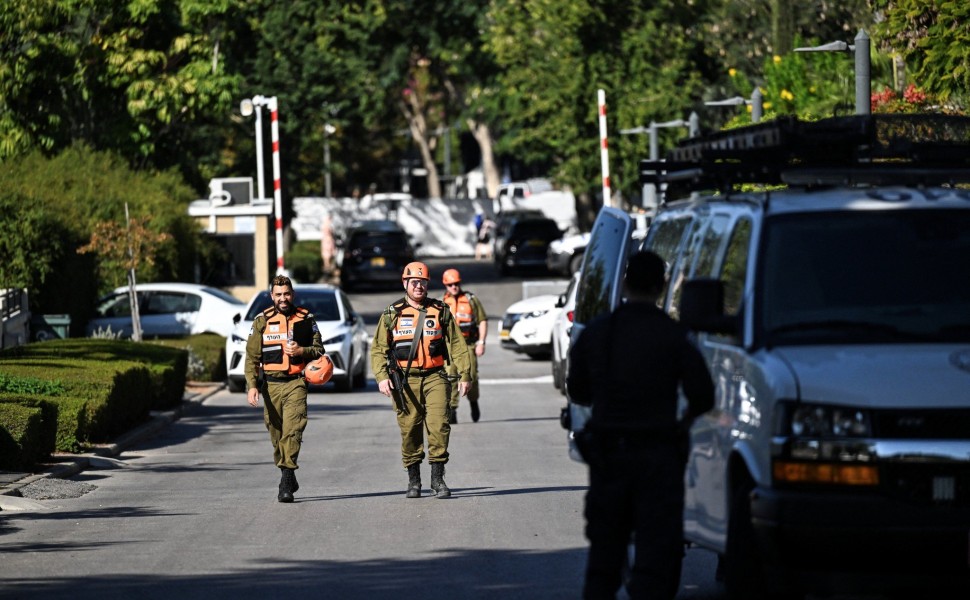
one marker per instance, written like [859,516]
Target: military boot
[438,486]
[287,480]
[414,481]
[476,413]
[452,416]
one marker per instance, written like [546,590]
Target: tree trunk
[413,111]
[483,135]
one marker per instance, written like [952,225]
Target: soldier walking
[417,335]
[473,323]
[284,338]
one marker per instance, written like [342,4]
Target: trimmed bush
[39,446]
[21,433]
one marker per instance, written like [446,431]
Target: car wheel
[360,378]
[575,263]
[235,386]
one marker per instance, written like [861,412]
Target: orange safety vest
[461,307]
[430,353]
[275,335]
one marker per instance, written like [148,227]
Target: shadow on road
[451,573]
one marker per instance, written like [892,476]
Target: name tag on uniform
[272,337]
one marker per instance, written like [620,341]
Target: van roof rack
[898,149]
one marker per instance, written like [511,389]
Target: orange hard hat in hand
[319,371]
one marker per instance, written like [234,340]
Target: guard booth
[243,226]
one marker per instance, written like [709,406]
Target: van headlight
[820,444]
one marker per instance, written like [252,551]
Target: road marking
[540,379]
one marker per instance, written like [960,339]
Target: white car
[527,325]
[167,310]
[560,334]
[343,332]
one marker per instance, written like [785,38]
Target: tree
[933,38]
[553,56]
[137,77]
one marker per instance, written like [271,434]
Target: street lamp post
[693,126]
[756,102]
[863,79]
[246,108]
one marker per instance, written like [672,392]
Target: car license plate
[377,261]
[504,334]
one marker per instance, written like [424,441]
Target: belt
[422,373]
[282,378]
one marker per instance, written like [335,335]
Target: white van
[834,314]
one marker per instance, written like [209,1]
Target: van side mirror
[561,301]
[236,318]
[702,307]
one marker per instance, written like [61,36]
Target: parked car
[343,331]
[527,326]
[167,310]
[538,194]
[521,242]
[833,317]
[560,334]
[374,252]
[565,255]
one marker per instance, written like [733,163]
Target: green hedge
[22,435]
[83,391]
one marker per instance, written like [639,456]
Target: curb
[68,465]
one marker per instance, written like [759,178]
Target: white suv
[834,313]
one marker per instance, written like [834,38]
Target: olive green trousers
[452,371]
[285,414]
[427,403]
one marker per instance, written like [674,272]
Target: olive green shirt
[457,349]
[254,347]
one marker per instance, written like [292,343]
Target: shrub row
[62,395]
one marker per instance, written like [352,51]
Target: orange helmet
[416,270]
[319,371]
[450,276]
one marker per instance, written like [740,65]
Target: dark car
[374,252]
[521,242]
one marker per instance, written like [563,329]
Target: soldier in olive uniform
[284,338]
[421,335]
[473,323]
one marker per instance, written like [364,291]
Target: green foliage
[206,355]
[305,262]
[933,38]
[22,436]
[30,385]
[810,85]
[48,224]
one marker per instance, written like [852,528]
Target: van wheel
[235,386]
[741,565]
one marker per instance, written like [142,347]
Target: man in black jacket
[628,366]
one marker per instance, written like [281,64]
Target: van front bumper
[866,541]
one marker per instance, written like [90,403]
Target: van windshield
[866,277]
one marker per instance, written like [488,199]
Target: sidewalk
[63,466]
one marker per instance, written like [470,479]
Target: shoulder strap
[419,331]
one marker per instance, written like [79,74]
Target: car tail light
[570,314]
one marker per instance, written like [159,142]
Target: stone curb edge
[75,463]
